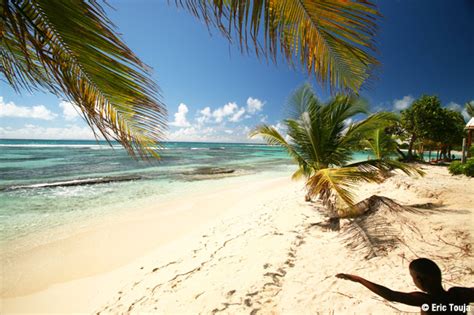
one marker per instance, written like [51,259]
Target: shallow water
[33,196]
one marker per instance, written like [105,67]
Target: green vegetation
[426,124]
[470,108]
[457,168]
[71,48]
[321,139]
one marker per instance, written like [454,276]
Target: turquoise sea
[49,183]
[39,179]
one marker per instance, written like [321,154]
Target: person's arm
[464,294]
[413,298]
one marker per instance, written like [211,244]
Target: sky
[215,93]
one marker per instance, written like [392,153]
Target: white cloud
[213,124]
[212,134]
[229,112]
[403,103]
[180,117]
[10,109]
[254,105]
[454,106]
[206,112]
[194,133]
[222,112]
[30,131]
[182,134]
[263,119]
[246,131]
[70,111]
[205,115]
[279,127]
[237,116]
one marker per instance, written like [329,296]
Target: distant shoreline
[117,143]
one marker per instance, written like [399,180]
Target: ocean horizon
[50,183]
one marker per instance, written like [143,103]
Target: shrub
[467,169]
[456,168]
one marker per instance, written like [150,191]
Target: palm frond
[335,116]
[333,39]
[381,143]
[406,168]
[342,107]
[364,128]
[470,108]
[301,172]
[383,166]
[71,49]
[336,183]
[273,137]
[302,100]
[316,129]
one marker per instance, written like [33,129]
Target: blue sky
[215,93]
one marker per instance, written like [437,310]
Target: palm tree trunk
[404,157]
[410,148]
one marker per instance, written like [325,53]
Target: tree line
[426,125]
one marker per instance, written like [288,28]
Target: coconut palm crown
[321,138]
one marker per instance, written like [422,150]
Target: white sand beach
[250,247]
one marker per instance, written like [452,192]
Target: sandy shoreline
[244,248]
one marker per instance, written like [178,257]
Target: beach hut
[470,134]
[470,131]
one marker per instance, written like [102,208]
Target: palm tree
[71,49]
[470,108]
[384,147]
[321,139]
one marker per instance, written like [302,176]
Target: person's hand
[346,276]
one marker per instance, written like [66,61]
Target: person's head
[426,274]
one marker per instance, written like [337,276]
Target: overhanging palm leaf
[333,39]
[71,49]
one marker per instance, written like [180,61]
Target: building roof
[470,124]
